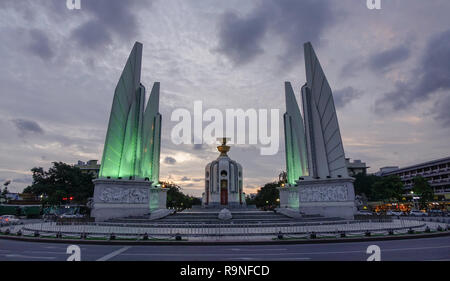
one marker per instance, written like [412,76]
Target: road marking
[257,249]
[28,257]
[113,254]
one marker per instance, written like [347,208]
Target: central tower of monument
[223,181]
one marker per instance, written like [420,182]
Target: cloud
[109,18]
[27,179]
[442,110]
[241,38]
[430,77]
[379,62]
[185,179]
[344,96]
[170,160]
[27,126]
[40,44]
[382,61]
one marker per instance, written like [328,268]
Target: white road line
[113,254]
[258,249]
[28,257]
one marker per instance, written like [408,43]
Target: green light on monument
[295,141]
[132,144]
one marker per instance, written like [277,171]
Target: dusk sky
[389,70]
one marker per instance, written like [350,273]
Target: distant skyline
[389,70]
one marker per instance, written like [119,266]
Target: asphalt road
[396,250]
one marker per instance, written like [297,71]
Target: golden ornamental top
[224,148]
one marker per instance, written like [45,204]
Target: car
[71,216]
[10,219]
[436,213]
[394,213]
[364,213]
[417,213]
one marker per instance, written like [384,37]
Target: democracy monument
[317,200]
[317,179]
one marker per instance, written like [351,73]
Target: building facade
[355,167]
[436,172]
[223,182]
[91,166]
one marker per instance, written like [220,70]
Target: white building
[223,182]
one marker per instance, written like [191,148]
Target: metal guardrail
[219,230]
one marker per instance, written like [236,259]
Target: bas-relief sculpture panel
[323,193]
[124,195]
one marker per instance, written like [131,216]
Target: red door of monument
[223,192]
[223,196]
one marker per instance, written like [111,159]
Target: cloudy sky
[389,69]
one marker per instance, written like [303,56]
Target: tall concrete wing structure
[119,153]
[128,183]
[151,137]
[295,140]
[323,138]
[317,177]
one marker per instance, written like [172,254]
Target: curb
[210,243]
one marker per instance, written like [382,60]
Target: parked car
[436,213]
[9,219]
[417,213]
[364,213]
[394,213]
[71,216]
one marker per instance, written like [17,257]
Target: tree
[177,199]
[387,188]
[423,189]
[61,181]
[267,195]
[364,185]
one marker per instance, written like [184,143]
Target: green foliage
[364,184]
[387,189]
[379,188]
[267,195]
[423,189]
[177,199]
[61,181]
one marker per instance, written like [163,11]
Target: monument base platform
[118,198]
[325,197]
